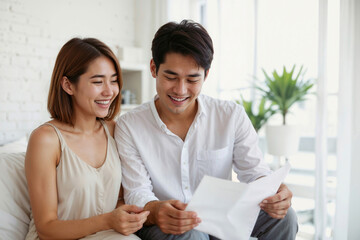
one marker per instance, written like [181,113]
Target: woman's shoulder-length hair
[72,61]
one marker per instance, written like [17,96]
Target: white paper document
[229,210]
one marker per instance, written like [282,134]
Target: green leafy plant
[260,117]
[286,89]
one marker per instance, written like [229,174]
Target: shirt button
[186,188]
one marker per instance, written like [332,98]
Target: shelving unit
[134,75]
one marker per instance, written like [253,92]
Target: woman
[72,165]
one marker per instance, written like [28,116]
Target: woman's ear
[67,86]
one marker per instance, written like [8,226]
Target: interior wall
[31,35]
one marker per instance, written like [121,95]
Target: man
[167,145]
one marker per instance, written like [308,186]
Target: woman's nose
[107,90]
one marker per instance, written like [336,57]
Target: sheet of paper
[229,210]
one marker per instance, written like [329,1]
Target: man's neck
[178,123]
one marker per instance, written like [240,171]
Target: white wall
[31,34]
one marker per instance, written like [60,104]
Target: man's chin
[178,110]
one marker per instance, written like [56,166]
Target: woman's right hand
[127,219]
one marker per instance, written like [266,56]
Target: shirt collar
[201,107]
[158,120]
[201,111]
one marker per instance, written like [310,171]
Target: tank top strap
[61,138]
[106,128]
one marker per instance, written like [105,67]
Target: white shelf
[134,75]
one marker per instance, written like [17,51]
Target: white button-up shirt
[159,165]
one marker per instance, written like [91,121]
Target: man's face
[178,83]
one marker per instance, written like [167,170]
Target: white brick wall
[31,34]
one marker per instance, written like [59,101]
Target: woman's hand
[127,219]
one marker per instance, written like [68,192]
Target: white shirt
[159,165]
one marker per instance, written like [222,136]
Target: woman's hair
[72,61]
[187,38]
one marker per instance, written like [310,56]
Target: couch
[14,197]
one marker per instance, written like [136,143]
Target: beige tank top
[85,191]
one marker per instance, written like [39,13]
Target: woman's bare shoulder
[43,141]
[44,134]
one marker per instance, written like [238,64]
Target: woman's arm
[42,157]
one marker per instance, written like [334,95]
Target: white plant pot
[282,140]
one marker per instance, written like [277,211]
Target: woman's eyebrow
[102,76]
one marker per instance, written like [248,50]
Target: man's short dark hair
[188,38]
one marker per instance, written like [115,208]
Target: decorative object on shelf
[134,77]
[283,91]
[128,97]
[259,117]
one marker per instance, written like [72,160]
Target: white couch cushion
[16,146]
[14,197]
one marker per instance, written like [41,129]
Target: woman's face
[96,89]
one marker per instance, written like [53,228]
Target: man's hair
[72,61]
[187,38]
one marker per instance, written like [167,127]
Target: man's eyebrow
[194,75]
[102,76]
[190,75]
[170,72]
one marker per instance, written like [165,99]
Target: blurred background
[250,37]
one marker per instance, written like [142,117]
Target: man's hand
[171,216]
[277,206]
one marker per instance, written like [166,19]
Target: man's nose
[180,87]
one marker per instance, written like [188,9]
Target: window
[252,35]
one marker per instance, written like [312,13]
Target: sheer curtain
[348,172]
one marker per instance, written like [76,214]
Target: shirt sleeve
[135,178]
[248,160]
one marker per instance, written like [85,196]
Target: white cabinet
[134,77]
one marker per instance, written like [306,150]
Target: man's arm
[136,181]
[249,165]
[169,215]
[247,157]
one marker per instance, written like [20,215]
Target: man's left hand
[277,206]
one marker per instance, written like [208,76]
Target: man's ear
[67,86]
[206,74]
[153,68]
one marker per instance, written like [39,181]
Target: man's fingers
[172,218]
[178,204]
[276,206]
[277,211]
[280,196]
[175,213]
[183,222]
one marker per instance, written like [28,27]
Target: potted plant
[259,117]
[283,91]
